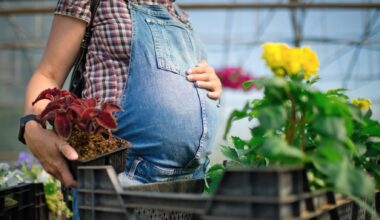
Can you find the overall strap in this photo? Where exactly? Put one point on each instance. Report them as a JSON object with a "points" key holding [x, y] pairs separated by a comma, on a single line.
{"points": [[88, 33], [77, 82]]}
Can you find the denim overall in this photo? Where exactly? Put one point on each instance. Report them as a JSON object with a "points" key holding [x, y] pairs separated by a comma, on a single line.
{"points": [[169, 121]]}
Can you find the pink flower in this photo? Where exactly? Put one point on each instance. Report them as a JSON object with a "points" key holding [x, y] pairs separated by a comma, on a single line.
{"points": [[233, 77]]}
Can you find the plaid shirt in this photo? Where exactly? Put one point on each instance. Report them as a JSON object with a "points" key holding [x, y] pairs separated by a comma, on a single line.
{"points": [[109, 51]]}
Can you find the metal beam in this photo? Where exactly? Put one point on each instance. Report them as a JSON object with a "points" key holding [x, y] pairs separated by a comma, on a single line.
{"points": [[289, 5], [216, 6]]}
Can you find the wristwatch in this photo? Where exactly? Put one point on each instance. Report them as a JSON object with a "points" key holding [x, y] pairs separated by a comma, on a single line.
{"points": [[23, 120]]}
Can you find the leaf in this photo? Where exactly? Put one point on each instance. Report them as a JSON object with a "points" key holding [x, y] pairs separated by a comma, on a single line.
{"points": [[110, 107], [247, 84], [313, 80], [331, 150], [256, 141], [333, 127], [229, 153], [276, 149], [272, 117], [89, 103], [235, 115], [373, 131], [338, 92], [53, 94], [238, 143], [346, 178], [62, 125], [214, 175], [270, 82], [351, 181], [361, 149], [105, 120]]}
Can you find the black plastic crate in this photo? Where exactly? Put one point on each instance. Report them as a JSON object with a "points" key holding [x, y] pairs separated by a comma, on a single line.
{"points": [[263, 193], [40, 206], [31, 203], [102, 197], [238, 197]]}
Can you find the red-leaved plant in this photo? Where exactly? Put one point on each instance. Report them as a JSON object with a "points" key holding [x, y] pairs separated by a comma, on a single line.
{"points": [[66, 112]]}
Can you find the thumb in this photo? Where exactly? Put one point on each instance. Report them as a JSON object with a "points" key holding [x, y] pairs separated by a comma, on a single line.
{"points": [[68, 151], [202, 63]]}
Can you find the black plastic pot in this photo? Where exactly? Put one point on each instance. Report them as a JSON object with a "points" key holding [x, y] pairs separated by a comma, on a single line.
{"points": [[114, 158]]}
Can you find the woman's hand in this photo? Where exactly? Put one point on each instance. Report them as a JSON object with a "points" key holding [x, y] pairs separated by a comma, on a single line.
{"points": [[50, 150], [205, 77]]}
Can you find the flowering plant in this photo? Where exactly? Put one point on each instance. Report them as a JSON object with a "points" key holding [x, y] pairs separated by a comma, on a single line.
{"points": [[233, 77], [28, 170], [334, 138]]}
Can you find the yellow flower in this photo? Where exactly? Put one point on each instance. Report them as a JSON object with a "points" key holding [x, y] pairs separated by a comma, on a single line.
{"points": [[274, 54], [284, 60], [310, 62], [293, 61], [363, 104]]}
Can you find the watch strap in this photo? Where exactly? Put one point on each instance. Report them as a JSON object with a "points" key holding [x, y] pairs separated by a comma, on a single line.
{"points": [[23, 120]]}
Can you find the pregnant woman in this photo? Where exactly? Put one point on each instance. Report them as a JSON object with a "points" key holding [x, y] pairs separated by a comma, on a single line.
{"points": [[145, 56]]}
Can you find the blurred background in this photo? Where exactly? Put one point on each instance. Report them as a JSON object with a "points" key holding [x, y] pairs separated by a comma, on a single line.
{"points": [[344, 33]]}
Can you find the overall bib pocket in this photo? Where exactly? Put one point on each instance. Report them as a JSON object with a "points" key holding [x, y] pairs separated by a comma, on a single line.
{"points": [[173, 45]]}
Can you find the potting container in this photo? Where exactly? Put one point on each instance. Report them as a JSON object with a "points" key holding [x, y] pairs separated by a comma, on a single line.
{"points": [[115, 158]]}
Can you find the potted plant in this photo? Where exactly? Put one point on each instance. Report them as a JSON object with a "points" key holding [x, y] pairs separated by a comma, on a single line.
{"points": [[333, 139], [86, 125]]}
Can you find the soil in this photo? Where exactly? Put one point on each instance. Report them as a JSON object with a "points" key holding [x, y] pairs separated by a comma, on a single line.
{"points": [[91, 145]]}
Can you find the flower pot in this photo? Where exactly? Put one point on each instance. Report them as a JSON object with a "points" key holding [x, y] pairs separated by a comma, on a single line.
{"points": [[114, 158]]}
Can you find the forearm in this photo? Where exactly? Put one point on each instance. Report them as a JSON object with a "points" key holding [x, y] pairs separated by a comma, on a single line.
{"points": [[36, 85]]}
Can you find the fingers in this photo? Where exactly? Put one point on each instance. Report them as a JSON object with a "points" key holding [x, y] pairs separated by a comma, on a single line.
{"points": [[214, 95], [202, 63], [60, 170], [205, 77], [51, 151], [67, 177], [199, 77], [67, 150], [200, 70]]}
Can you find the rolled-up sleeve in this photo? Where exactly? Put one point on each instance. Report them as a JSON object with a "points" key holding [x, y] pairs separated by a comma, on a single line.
{"points": [[74, 8]]}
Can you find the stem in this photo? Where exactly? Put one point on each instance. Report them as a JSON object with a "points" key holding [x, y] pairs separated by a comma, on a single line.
{"points": [[293, 120], [302, 123]]}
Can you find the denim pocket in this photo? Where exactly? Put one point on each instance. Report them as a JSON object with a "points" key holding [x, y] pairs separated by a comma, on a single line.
{"points": [[173, 45]]}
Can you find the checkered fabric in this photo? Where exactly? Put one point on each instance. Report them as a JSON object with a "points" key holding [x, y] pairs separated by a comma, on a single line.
{"points": [[109, 51]]}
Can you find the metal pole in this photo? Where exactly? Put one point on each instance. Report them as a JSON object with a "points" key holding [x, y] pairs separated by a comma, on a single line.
{"points": [[296, 25], [217, 6], [298, 5]]}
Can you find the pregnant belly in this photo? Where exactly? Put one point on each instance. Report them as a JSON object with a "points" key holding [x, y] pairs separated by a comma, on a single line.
{"points": [[162, 118]]}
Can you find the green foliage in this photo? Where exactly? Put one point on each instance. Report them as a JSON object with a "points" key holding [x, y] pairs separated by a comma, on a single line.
{"points": [[336, 142]]}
